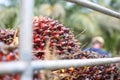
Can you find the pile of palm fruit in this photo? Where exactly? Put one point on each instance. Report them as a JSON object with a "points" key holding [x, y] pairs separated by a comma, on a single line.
{"points": [[63, 44]]}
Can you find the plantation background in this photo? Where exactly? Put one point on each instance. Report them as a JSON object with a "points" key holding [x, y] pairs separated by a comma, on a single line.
{"points": [[84, 23]]}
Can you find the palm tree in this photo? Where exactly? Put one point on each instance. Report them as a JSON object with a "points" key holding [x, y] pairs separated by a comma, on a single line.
{"points": [[9, 14], [8, 18]]}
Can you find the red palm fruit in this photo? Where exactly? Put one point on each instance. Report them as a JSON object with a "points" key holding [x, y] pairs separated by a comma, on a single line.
{"points": [[10, 57], [36, 40], [56, 36], [1, 54], [36, 24], [66, 30], [42, 25], [16, 77], [42, 44], [63, 43], [47, 32], [58, 51], [53, 44], [53, 33], [61, 32], [70, 36], [36, 36]]}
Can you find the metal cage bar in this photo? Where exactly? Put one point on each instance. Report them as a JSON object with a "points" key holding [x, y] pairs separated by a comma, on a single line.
{"points": [[25, 47], [12, 67], [58, 64], [96, 7], [54, 64]]}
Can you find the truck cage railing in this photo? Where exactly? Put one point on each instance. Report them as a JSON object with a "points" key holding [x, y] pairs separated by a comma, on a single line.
{"points": [[25, 65]]}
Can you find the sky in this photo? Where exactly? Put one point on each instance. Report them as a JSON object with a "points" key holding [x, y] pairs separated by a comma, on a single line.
{"points": [[5, 2], [2, 1]]}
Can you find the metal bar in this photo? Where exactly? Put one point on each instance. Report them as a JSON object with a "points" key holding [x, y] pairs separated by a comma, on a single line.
{"points": [[96, 7], [54, 64], [25, 35], [58, 64], [12, 67]]}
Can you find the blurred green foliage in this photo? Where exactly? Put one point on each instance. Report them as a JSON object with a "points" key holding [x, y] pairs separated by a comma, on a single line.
{"points": [[76, 17]]}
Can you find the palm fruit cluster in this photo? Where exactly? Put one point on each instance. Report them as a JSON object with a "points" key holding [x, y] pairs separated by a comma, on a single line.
{"points": [[62, 38], [102, 72], [6, 36], [8, 52], [67, 47]]}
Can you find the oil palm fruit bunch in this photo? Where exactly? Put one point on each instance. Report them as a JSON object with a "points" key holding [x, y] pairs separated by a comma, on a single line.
{"points": [[8, 52], [102, 72], [59, 36]]}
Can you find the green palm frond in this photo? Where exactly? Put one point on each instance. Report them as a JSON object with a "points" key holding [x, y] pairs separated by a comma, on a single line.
{"points": [[85, 21], [8, 17], [110, 23]]}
